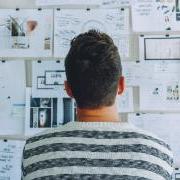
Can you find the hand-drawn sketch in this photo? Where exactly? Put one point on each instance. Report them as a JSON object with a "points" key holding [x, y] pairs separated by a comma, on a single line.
{"points": [[162, 96], [48, 79], [115, 3], [159, 47], [155, 15], [69, 23], [93, 24]]}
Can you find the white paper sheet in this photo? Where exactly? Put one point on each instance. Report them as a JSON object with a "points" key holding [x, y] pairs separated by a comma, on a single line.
{"points": [[167, 71], [68, 2], [48, 79], [10, 159], [159, 47], [153, 15], [159, 87], [158, 95], [123, 43], [70, 23], [176, 174], [55, 77], [46, 112], [142, 73], [115, 3], [132, 73], [26, 32], [165, 126], [125, 101], [12, 98], [138, 73]]}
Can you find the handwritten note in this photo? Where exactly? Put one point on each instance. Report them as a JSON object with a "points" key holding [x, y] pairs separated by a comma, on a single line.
{"points": [[70, 23], [153, 15], [115, 3], [10, 159], [68, 2]]}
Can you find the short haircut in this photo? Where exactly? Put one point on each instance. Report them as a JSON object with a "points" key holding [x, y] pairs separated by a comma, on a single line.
{"points": [[93, 69]]}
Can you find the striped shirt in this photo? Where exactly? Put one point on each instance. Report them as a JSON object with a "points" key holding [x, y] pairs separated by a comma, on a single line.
{"points": [[96, 151]]}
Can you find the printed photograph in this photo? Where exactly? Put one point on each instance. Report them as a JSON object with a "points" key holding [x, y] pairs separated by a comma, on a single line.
{"points": [[177, 6], [19, 31], [43, 113], [177, 10]]}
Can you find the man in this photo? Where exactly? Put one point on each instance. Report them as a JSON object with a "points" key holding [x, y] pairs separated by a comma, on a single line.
{"points": [[98, 146]]}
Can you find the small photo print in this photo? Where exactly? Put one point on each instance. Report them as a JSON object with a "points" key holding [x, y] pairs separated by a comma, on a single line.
{"points": [[21, 30], [44, 118], [47, 43], [43, 113], [177, 10], [45, 102], [177, 6], [13, 31]]}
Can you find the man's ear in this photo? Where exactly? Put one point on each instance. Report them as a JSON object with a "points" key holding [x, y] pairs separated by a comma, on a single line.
{"points": [[68, 89], [121, 85]]}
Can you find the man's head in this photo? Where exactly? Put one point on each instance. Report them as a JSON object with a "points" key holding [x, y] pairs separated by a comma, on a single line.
{"points": [[93, 70]]}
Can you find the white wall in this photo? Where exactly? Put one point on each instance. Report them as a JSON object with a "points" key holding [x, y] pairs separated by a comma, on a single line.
{"points": [[17, 4]]}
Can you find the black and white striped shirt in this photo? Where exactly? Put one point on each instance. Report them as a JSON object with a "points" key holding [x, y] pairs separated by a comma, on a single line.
{"points": [[96, 151]]}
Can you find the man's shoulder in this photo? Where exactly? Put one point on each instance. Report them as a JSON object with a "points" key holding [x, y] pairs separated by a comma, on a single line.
{"points": [[152, 139], [46, 134], [122, 132], [111, 142]]}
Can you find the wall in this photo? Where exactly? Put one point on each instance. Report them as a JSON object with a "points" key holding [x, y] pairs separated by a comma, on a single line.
{"points": [[17, 4], [31, 4], [133, 48]]}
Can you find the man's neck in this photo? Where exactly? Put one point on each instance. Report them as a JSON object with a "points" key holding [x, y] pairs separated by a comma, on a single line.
{"points": [[104, 114]]}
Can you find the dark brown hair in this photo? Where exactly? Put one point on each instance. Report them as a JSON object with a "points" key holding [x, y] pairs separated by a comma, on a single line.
{"points": [[93, 68]]}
